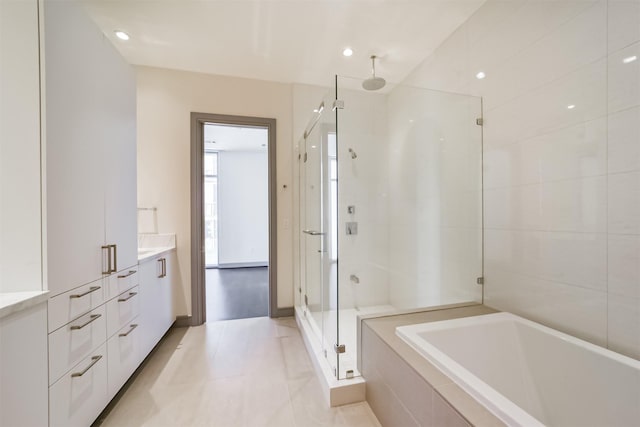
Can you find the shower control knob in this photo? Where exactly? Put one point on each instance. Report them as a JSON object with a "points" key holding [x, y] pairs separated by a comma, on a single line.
{"points": [[352, 228]]}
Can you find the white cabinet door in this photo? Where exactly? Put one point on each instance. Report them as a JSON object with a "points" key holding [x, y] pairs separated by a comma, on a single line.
{"points": [[156, 299], [23, 371], [149, 305], [77, 398], [91, 150], [166, 316], [123, 351], [118, 97], [20, 221], [75, 163]]}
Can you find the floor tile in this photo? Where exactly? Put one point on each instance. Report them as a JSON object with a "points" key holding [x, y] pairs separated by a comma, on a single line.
{"points": [[232, 373]]}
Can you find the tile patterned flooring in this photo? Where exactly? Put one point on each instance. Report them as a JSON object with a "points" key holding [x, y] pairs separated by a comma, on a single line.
{"points": [[245, 373]]}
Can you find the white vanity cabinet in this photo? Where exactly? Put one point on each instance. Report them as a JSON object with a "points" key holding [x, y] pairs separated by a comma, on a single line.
{"points": [[93, 352], [20, 203], [91, 151], [156, 298], [23, 368], [23, 307], [92, 272]]}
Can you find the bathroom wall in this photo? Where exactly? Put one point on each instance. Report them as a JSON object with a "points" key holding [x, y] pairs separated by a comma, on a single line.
{"points": [[166, 99], [561, 158]]}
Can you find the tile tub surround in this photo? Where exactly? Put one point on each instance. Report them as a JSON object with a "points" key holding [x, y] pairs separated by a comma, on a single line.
{"points": [[244, 373], [403, 388], [561, 185]]}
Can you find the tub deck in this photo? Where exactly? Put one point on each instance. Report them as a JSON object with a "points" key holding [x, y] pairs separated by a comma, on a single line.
{"points": [[403, 388]]}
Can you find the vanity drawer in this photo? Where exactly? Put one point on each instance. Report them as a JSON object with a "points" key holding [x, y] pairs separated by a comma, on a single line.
{"points": [[122, 281], [122, 309], [80, 395], [75, 341], [123, 350], [65, 307]]}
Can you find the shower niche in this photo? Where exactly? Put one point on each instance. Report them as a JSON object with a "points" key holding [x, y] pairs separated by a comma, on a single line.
{"points": [[388, 215]]}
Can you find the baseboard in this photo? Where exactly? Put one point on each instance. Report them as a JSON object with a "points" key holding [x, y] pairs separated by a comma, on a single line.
{"points": [[182, 322], [282, 312], [243, 264]]}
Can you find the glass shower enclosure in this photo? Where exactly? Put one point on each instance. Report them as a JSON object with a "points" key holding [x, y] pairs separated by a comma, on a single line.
{"points": [[318, 243], [389, 209]]}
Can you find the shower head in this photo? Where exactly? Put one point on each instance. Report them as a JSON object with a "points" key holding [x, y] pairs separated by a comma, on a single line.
{"points": [[373, 83], [353, 153]]}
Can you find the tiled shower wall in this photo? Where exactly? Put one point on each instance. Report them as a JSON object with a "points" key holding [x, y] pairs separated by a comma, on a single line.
{"points": [[363, 184], [435, 202], [561, 158]]}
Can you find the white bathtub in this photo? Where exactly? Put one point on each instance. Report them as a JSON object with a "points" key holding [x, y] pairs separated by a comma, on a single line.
{"points": [[530, 375]]}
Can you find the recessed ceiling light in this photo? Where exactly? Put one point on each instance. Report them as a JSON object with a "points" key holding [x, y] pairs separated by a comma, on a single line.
{"points": [[629, 59], [347, 51], [481, 75], [122, 35], [571, 107]]}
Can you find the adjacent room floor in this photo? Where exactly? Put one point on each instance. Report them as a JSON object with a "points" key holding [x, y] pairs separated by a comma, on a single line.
{"points": [[246, 373], [237, 293]]}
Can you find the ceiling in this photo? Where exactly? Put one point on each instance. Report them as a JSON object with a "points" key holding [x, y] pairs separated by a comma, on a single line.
{"points": [[218, 137], [291, 41]]}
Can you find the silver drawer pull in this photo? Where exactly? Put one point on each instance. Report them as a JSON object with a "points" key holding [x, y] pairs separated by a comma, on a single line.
{"points": [[124, 334], [127, 275], [108, 270], [91, 319], [131, 295], [94, 360], [91, 289]]}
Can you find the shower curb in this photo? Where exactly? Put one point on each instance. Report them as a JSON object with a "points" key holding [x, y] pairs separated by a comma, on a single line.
{"points": [[336, 392]]}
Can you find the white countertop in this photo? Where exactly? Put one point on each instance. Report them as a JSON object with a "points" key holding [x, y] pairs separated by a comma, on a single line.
{"points": [[151, 245], [13, 302], [147, 253]]}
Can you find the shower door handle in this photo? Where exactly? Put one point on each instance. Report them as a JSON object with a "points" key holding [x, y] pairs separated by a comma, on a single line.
{"points": [[313, 233]]}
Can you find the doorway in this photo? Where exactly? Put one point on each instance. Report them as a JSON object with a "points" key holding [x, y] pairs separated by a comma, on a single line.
{"points": [[233, 217]]}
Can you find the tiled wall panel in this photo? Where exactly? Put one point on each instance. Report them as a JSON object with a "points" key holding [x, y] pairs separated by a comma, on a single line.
{"points": [[561, 158]]}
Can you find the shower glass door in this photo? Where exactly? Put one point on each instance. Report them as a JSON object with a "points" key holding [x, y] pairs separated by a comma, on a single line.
{"points": [[319, 287]]}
